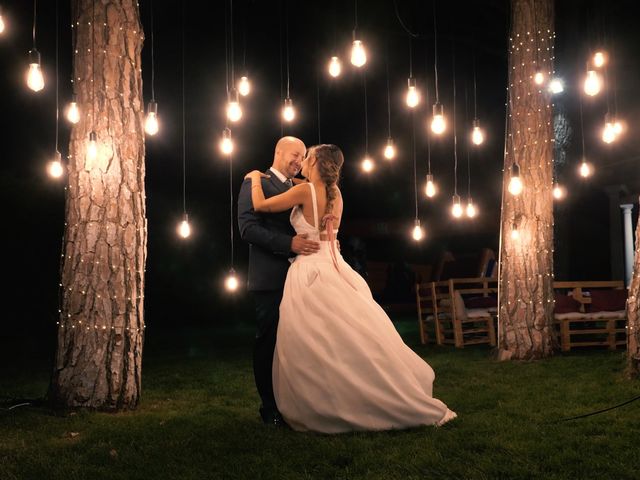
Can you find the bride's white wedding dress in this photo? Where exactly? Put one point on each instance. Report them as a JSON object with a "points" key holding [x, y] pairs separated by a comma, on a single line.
{"points": [[339, 363]]}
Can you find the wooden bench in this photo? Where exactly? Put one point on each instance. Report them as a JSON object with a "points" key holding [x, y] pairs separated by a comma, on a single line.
{"points": [[585, 327], [442, 311]]}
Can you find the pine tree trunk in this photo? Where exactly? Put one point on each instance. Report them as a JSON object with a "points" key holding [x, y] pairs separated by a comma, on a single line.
{"points": [[633, 315], [101, 328], [526, 264]]}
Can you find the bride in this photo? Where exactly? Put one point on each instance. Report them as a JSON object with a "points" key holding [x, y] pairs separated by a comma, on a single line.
{"points": [[339, 364]]}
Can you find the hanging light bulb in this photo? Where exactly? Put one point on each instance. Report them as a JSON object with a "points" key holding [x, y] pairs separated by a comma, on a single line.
{"points": [[1, 22], [413, 95], [73, 112], [538, 76], [367, 164], [92, 146], [389, 150], [592, 83], [184, 229], [472, 211], [515, 184], [54, 167], [418, 232], [477, 137], [35, 79], [430, 189], [244, 86], [226, 143], [288, 112], [438, 124], [358, 53], [515, 234], [335, 67], [599, 59], [556, 86], [231, 283], [608, 132], [234, 111], [456, 207], [585, 169], [559, 192], [151, 122]]}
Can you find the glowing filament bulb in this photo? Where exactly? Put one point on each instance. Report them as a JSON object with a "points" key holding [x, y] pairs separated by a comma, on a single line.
{"points": [[367, 165], [472, 211], [335, 67], [151, 122], [35, 79], [184, 229], [244, 87], [1, 23], [413, 95], [226, 143], [389, 150], [585, 169], [430, 189], [515, 234], [477, 137], [73, 112], [515, 184], [288, 112], [608, 133], [538, 77], [599, 59], [234, 111], [456, 207], [418, 232], [556, 86], [438, 124], [358, 54], [559, 191], [231, 282], [92, 146], [592, 83], [55, 168]]}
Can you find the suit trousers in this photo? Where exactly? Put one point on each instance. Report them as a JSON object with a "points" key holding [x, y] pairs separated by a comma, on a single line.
{"points": [[267, 304]]}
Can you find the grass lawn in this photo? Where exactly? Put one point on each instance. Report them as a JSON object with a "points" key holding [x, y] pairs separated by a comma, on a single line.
{"points": [[198, 420]]}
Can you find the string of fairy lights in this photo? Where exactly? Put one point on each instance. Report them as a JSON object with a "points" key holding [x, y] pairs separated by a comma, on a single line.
{"points": [[597, 79]]}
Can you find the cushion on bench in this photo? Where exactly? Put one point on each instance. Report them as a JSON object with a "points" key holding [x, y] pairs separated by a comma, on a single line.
{"points": [[566, 304], [608, 300]]}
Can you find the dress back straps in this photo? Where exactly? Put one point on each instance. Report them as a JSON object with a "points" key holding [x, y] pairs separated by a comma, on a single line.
{"points": [[314, 201]]}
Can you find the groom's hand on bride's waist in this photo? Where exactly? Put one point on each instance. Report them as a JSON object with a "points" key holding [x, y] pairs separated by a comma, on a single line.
{"points": [[301, 246]]}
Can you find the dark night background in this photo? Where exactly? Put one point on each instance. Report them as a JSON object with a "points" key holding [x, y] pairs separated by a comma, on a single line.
{"points": [[184, 278]]}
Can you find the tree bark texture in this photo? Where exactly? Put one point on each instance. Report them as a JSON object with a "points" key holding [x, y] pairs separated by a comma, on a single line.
{"points": [[101, 328], [526, 264], [633, 315]]}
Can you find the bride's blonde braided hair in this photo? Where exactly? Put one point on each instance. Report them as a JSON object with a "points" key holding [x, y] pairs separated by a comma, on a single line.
{"points": [[330, 160]]}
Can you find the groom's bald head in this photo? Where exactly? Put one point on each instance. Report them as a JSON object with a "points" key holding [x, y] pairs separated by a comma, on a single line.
{"points": [[288, 156]]}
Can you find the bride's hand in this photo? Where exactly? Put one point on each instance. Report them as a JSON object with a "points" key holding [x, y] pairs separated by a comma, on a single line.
{"points": [[256, 173]]}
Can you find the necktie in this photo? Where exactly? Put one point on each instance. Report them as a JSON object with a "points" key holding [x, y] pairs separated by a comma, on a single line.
{"points": [[288, 182]]}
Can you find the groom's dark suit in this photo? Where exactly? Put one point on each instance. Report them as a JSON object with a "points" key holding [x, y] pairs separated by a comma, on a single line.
{"points": [[269, 236]]}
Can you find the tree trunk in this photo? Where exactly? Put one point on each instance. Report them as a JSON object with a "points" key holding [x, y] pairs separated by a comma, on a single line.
{"points": [[526, 264], [633, 315], [101, 328]]}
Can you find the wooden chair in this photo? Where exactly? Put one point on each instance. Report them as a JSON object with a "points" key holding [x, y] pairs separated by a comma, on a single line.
{"points": [[441, 309], [427, 306]]}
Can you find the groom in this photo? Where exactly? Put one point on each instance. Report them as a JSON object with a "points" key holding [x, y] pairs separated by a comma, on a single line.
{"points": [[272, 240]]}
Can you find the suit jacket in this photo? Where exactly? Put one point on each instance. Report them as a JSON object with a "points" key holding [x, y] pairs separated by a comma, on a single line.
{"points": [[269, 236]]}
